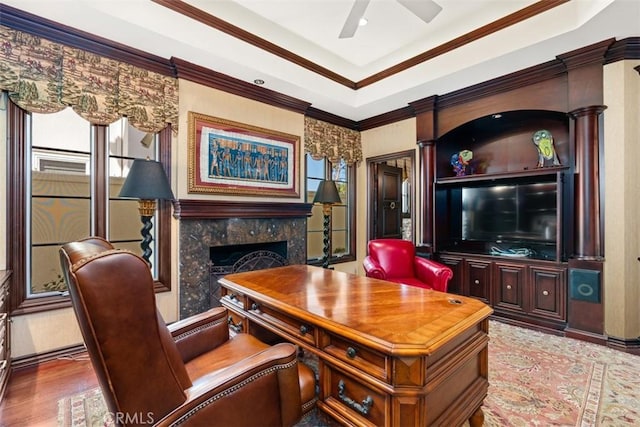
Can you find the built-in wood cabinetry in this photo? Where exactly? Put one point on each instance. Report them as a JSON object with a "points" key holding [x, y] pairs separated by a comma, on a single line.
{"points": [[521, 291], [527, 274], [5, 337], [502, 225]]}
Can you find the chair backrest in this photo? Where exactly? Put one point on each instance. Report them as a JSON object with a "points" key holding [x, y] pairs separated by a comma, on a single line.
{"points": [[395, 256], [131, 349]]}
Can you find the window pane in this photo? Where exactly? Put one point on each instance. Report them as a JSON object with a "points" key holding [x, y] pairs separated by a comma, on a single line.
{"points": [[127, 141], [48, 276], [318, 170], [60, 192], [314, 244], [339, 243], [339, 171]]}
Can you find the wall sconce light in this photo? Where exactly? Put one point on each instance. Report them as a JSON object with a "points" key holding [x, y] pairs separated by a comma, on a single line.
{"points": [[327, 195], [146, 182]]}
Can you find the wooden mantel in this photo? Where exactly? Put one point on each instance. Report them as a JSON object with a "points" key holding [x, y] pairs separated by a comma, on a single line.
{"points": [[222, 209]]}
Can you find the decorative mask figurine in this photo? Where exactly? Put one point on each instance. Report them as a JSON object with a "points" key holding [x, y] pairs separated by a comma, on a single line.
{"points": [[546, 152], [460, 161]]}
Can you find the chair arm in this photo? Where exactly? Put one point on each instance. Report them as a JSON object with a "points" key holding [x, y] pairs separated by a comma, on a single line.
{"points": [[229, 396], [435, 274], [373, 269], [200, 333]]}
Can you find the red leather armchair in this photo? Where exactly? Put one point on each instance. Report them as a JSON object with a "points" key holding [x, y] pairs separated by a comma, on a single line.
{"points": [[190, 372], [395, 260]]}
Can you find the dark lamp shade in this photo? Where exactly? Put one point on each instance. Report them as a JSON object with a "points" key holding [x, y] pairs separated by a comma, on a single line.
{"points": [[327, 193], [146, 181]]}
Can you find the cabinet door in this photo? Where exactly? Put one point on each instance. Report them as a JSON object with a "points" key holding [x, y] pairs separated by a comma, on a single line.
{"points": [[455, 264], [548, 290], [509, 287], [478, 283]]}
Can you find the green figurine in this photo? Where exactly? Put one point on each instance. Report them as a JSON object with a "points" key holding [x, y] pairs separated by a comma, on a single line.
{"points": [[543, 141]]}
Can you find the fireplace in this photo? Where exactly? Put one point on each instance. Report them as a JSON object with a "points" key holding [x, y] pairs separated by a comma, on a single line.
{"points": [[207, 227], [245, 257]]}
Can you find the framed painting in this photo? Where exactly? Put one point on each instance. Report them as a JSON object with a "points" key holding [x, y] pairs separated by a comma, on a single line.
{"points": [[239, 159]]}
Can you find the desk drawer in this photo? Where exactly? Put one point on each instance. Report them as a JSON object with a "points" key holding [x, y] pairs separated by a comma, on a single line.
{"points": [[366, 360], [289, 324], [237, 322], [359, 402], [233, 299]]}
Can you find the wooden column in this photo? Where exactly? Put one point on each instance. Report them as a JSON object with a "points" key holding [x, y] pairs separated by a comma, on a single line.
{"points": [[427, 172], [425, 111], [587, 225]]}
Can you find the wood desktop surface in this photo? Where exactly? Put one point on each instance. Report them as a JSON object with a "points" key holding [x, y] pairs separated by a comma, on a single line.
{"points": [[393, 318]]}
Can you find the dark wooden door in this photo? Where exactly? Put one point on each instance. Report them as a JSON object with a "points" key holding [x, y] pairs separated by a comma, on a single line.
{"points": [[388, 202]]}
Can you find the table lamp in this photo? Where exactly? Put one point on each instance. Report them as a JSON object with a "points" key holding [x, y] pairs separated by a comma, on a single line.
{"points": [[327, 195], [146, 182]]}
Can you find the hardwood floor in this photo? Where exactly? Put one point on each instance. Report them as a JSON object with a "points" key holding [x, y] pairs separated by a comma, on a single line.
{"points": [[31, 398]]}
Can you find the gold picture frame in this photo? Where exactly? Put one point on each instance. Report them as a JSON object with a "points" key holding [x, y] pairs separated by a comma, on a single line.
{"points": [[234, 158]]}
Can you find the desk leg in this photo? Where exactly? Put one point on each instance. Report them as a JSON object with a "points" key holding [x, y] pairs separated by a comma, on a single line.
{"points": [[477, 419]]}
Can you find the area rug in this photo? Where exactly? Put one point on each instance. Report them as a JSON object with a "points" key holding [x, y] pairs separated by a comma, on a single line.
{"points": [[535, 379]]}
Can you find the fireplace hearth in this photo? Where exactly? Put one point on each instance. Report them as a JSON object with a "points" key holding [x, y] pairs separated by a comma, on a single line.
{"points": [[271, 233]]}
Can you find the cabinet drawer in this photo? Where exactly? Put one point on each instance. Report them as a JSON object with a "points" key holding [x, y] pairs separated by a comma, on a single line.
{"points": [[366, 360], [510, 282], [355, 399], [548, 292], [289, 324], [479, 280]]}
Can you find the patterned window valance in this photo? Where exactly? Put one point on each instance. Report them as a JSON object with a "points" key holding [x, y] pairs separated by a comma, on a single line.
{"points": [[45, 77], [322, 139]]}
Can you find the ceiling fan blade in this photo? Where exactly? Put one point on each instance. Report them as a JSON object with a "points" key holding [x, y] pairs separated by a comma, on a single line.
{"points": [[423, 9], [351, 24]]}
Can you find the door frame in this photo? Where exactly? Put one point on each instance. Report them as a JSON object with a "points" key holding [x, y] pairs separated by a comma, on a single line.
{"points": [[372, 188]]}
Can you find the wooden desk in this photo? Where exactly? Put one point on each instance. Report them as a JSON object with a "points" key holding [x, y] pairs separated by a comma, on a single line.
{"points": [[388, 354]]}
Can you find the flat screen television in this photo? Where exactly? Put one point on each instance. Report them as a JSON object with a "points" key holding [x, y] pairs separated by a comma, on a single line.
{"points": [[515, 219], [518, 212]]}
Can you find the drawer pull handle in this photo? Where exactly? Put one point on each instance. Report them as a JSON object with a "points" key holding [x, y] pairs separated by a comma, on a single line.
{"points": [[509, 287], [477, 282], [304, 330], [351, 352], [255, 306], [234, 297], [236, 327], [363, 407], [545, 293]]}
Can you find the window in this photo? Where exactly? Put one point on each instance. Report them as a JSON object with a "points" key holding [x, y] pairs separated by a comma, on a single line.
{"points": [[342, 242], [63, 181]]}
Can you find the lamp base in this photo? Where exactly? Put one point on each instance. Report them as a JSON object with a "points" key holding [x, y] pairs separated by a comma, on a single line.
{"points": [[325, 240], [145, 232]]}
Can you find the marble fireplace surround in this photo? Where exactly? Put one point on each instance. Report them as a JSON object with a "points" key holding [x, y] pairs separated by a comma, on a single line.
{"points": [[210, 223]]}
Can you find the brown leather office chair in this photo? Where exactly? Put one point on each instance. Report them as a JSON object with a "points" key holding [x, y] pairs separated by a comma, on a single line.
{"points": [[190, 372]]}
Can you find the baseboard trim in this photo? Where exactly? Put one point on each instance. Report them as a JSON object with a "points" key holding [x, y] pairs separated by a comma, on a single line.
{"points": [[631, 346], [36, 359], [585, 336]]}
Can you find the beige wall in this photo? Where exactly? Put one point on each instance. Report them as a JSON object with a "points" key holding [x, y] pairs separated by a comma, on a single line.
{"points": [[621, 201], [42, 332], [212, 102], [391, 138]]}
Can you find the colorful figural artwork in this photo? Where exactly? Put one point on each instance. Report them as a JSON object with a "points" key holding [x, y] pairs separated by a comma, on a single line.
{"points": [[543, 141], [460, 162]]}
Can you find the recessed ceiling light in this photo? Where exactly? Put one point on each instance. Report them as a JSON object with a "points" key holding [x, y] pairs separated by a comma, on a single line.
{"points": [[496, 116], [259, 81], [362, 22]]}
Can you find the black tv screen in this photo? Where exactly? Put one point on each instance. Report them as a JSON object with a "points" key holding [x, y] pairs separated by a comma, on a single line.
{"points": [[510, 213]]}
